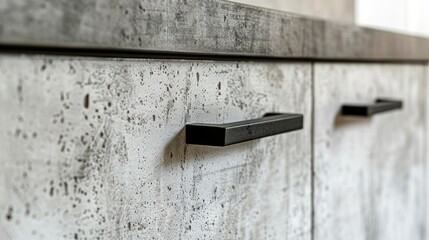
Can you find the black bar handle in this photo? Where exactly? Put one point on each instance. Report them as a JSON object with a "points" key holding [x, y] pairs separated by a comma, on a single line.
{"points": [[381, 105], [231, 133]]}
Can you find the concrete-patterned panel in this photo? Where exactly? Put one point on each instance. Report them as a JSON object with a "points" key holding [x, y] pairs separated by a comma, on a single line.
{"points": [[94, 148], [370, 173]]}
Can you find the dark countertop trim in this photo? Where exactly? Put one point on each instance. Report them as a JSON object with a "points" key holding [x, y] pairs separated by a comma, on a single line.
{"points": [[196, 27]]}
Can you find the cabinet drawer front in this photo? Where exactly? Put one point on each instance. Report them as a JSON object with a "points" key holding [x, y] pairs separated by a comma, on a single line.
{"points": [[96, 148], [370, 172]]}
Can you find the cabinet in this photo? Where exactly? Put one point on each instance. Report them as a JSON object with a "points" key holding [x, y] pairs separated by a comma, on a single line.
{"points": [[96, 98], [370, 174], [94, 147]]}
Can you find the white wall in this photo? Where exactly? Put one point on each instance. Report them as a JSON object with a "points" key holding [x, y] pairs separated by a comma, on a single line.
{"points": [[408, 16], [336, 10]]}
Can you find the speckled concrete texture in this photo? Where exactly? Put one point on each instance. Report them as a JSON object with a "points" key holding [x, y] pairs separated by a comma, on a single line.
{"points": [[196, 27], [370, 173], [94, 149]]}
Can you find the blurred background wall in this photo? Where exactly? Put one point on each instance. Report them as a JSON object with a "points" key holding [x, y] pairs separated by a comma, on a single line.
{"points": [[338, 10], [407, 16]]}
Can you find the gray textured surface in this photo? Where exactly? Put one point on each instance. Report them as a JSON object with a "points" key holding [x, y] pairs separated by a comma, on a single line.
{"points": [[334, 10], [95, 148], [370, 173], [196, 26]]}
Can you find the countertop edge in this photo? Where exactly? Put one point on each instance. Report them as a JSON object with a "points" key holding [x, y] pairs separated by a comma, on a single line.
{"points": [[204, 27]]}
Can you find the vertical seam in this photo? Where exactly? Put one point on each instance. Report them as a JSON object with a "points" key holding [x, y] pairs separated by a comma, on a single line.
{"points": [[312, 174]]}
